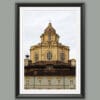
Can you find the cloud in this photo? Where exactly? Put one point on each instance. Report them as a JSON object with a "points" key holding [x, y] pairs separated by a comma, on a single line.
{"points": [[66, 21]]}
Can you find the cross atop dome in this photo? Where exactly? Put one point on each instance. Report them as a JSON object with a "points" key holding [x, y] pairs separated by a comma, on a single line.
{"points": [[49, 34], [50, 24], [49, 28]]}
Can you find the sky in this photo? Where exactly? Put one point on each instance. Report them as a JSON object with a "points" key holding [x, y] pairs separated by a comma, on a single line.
{"points": [[65, 20]]}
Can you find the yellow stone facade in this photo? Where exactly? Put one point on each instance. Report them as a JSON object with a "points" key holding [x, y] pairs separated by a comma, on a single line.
{"points": [[39, 75], [49, 49]]}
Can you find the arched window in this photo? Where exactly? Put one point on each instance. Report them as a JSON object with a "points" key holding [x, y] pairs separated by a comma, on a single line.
{"points": [[62, 56], [36, 57], [49, 55]]}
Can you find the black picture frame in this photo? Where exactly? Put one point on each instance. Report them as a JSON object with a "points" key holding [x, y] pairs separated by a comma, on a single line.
{"points": [[17, 50]]}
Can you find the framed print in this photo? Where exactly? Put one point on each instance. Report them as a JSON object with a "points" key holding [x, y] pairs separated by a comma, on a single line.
{"points": [[50, 50]]}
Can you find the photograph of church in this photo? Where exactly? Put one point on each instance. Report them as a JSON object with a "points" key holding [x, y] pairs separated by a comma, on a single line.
{"points": [[50, 50], [48, 66]]}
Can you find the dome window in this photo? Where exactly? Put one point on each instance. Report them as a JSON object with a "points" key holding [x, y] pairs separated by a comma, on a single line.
{"points": [[49, 55]]}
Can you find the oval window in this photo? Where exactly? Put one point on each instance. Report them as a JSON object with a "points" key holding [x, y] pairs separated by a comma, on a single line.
{"points": [[49, 55]]}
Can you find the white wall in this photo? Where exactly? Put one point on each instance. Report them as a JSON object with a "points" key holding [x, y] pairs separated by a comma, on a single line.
{"points": [[50, 82]]}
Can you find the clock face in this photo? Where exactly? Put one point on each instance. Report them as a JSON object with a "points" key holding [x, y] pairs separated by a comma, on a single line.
{"points": [[49, 67]]}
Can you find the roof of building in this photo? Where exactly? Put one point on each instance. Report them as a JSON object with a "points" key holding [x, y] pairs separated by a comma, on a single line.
{"points": [[49, 69], [49, 29]]}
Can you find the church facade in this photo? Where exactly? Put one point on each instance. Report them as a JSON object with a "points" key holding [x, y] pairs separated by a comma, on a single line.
{"points": [[49, 66]]}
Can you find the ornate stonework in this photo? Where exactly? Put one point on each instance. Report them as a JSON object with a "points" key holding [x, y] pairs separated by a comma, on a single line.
{"points": [[49, 46], [49, 65]]}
